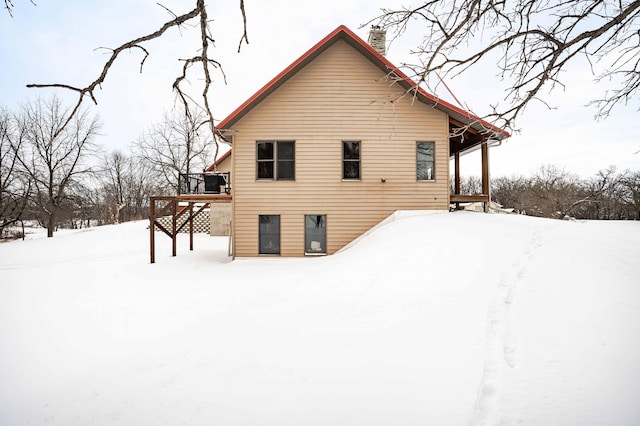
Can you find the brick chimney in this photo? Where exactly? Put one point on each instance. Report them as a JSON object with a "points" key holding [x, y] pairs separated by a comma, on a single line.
{"points": [[378, 39]]}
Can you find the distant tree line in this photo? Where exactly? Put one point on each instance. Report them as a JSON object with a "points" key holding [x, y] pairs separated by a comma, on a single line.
{"points": [[53, 171], [59, 176], [555, 193]]}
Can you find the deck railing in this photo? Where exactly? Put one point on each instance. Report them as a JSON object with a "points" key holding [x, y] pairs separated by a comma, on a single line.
{"points": [[204, 183]]}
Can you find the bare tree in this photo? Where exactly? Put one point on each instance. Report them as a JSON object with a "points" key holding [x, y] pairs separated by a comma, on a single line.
{"points": [[174, 145], [202, 58], [511, 192], [126, 185], [631, 183], [555, 192], [602, 198], [552, 192], [53, 153], [115, 167], [470, 185], [141, 185], [14, 189], [532, 42]]}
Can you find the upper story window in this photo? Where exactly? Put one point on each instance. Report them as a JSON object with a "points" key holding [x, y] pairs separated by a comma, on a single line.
{"points": [[425, 161], [276, 160], [351, 160]]}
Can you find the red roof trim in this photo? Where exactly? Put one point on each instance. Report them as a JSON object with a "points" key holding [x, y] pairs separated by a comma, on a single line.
{"points": [[373, 55]]}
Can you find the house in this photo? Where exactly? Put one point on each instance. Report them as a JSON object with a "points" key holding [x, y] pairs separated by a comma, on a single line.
{"points": [[334, 144], [220, 215]]}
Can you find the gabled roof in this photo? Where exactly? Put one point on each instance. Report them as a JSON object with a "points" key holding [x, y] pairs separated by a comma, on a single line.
{"points": [[344, 33]]}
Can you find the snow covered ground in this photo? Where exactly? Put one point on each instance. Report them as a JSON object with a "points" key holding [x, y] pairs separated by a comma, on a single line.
{"points": [[447, 319]]}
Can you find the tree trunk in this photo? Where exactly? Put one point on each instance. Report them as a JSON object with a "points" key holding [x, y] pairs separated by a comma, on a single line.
{"points": [[51, 225]]}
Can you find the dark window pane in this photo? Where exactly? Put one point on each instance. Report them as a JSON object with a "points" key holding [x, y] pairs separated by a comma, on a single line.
{"points": [[351, 160], [315, 233], [265, 170], [265, 150], [351, 150], [351, 170], [286, 170], [269, 230], [286, 151]]}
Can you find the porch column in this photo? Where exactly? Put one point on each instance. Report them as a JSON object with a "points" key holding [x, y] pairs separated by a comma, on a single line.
{"points": [[456, 162], [485, 174]]}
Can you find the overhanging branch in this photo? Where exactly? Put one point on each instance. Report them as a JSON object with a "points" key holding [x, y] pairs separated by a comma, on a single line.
{"points": [[534, 42], [203, 58]]}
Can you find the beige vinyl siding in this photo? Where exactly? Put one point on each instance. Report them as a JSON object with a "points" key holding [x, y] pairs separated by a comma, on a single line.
{"points": [[338, 96], [225, 165]]}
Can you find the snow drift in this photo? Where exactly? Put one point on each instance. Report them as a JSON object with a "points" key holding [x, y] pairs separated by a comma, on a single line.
{"points": [[447, 319]]}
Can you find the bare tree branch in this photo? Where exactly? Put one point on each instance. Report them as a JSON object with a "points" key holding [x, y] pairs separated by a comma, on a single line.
{"points": [[89, 90], [244, 37], [532, 41], [200, 11], [8, 5]]}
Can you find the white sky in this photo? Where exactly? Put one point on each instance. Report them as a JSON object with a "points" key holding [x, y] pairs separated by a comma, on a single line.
{"points": [[56, 42]]}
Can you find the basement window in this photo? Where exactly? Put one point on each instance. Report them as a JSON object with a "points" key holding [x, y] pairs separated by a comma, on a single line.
{"points": [[269, 234], [315, 234]]}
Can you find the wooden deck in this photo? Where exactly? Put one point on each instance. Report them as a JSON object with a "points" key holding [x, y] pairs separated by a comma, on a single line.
{"points": [[459, 198], [182, 209], [200, 198]]}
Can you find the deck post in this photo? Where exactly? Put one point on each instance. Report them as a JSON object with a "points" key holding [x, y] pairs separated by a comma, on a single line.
{"points": [[152, 229], [174, 233], [191, 226], [485, 174]]}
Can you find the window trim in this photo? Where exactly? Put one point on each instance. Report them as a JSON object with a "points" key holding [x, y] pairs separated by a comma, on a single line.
{"points": [[359, 161], [315, 253], [275, 161], [432, 162]]}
